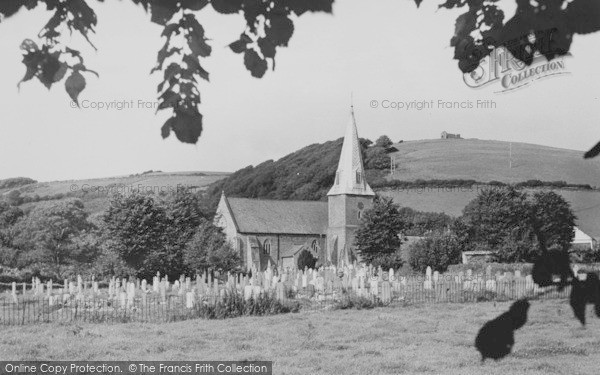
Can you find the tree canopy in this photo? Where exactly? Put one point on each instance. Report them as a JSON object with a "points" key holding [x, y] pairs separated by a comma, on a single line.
{"points": [[515, 225], [377, 239]]}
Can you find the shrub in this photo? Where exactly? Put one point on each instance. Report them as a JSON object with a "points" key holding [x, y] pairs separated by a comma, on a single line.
{"points": [[234, 305], [352, 301], [584, 254], [306, 260], [525, 268], [437, 251], [387, 261]]}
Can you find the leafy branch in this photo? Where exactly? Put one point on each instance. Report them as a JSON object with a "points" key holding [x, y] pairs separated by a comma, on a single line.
{"points": [[545, 27]]}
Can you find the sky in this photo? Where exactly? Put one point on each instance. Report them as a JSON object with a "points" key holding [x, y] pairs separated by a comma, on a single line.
{"points": [[383, 54]]}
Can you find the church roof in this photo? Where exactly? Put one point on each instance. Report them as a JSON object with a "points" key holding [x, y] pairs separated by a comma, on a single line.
{"points": [[350, 175], [278, 216]]}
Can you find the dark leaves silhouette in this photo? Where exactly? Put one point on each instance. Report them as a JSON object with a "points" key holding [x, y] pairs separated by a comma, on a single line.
{"points": [[593, 152], [551, 264], [496, 338], [583, 293]]}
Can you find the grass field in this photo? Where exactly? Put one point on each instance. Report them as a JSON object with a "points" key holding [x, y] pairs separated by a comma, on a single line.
{"points": [[96, 193], [428, 339], [485, 160]]}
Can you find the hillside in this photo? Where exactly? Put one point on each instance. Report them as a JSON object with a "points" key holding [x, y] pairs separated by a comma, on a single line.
{"points": [[307, 174], [95, 193], [487, 161]]}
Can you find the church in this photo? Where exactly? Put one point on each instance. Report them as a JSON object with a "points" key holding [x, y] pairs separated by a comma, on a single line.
{"points": [[278, 231]]}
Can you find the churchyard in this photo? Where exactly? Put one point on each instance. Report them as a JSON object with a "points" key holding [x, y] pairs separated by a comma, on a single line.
{"points": [[163, 300], [413, 339]]}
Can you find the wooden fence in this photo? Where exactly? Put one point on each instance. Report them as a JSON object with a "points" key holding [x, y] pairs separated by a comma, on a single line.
{"points": [[121, 300]]}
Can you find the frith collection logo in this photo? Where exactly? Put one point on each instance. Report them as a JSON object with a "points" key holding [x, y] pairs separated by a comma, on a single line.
{"points": [[511, 73]]}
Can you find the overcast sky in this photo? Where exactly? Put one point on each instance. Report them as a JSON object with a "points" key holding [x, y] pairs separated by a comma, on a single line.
{"points": [[392, 51]]}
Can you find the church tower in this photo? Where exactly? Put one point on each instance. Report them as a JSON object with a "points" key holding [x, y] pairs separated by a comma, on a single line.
{"points": [[349, 197]]}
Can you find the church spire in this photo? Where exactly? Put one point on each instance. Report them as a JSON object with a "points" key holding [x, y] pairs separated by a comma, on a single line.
{"points": [[350, 175]]}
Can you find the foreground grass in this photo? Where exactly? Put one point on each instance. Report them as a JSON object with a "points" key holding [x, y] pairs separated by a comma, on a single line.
{"points": [[428, 339]]}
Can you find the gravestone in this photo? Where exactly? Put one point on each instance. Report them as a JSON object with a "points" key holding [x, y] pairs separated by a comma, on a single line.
{"points": [[189, 300], [488, 271], [14, 292], [280, 291], [374, 285], [386, 292], [248, 292], [529, 284]]}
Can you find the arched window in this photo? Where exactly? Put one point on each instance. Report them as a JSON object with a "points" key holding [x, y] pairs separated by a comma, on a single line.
{"points": [[337, 178], [267, 247], [359, 215], [358, 177], [315, 246]]}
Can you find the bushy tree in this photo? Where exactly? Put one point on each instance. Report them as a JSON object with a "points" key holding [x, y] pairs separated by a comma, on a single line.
{"points": [[437, 251], [376, 158], [208, 248], [418, 223], [306, 260], [495, 214], [552, 220], [150, 233], [56, 235], [379, 230], [138, 227], [515, 225], [384, 141]]}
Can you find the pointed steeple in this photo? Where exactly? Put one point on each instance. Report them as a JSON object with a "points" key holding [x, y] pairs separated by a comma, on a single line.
{"points": [[350, 175]]}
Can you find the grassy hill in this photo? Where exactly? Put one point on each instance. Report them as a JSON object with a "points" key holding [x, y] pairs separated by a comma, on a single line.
{"points": [[486, 161], [96, 193], [308, 174]]}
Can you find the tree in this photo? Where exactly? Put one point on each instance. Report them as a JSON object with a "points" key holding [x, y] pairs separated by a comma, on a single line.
{"points": [[138, 227], [437, 251], [419, 223], [377, 237], [53, 235], [376, 158], [306, 260], [517, 227], [496, 214], [208, 248], [545, 26], [552, 220], [383, 141]]}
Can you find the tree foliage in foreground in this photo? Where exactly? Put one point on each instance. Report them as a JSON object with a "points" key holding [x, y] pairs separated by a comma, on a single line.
{"points": [[545, 26]]}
